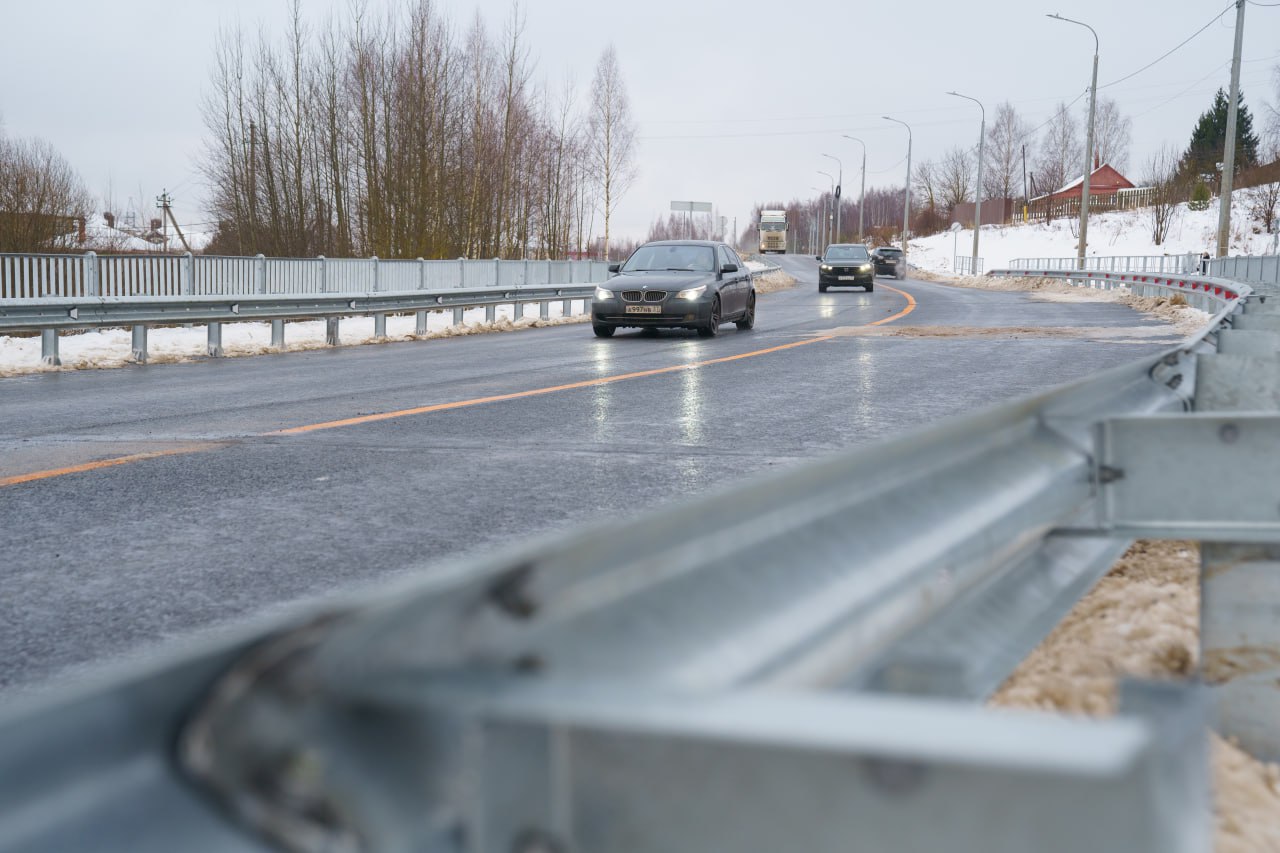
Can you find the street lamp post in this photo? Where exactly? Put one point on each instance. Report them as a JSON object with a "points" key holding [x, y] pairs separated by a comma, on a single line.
{"points": [[831, 210], [839, 192], [977, 193], [1088, 151], [906, 207], [816, 228], [862, 193]]}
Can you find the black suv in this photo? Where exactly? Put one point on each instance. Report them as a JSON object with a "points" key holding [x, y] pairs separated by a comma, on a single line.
{"points": [[888, 261], [846, 264]]}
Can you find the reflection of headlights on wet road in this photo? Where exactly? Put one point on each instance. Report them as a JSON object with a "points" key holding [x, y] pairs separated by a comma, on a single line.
{"points": [[692, 292]]}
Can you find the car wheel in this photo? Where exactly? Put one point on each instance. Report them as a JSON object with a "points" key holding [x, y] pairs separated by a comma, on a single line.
{"points": [[870, 286], [748, 320], [822, 288], [602, 331], [712, 327]]}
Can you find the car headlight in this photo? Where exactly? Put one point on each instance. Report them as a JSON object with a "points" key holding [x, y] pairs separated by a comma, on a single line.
{"points": [[692, 292], [602, 293], [864, 268], [826, 268]]}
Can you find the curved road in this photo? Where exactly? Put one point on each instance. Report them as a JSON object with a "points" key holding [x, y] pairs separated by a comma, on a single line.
{"points": [[149, 502]]}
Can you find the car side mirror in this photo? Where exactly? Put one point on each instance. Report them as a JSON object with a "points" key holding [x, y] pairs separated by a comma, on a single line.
{"points": [[817, 257], [727, 268], [614, 267]]}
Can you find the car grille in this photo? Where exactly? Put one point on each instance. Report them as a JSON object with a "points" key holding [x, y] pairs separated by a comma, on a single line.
{"points": [[643, 295]]}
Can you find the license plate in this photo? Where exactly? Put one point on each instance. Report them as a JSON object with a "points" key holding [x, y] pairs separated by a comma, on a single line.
{"points": [[848, 278], [644, 309]]}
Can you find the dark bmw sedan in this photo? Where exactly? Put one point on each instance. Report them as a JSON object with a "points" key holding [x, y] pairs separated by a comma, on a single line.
{"points": [[690, 284], [846, 264]]}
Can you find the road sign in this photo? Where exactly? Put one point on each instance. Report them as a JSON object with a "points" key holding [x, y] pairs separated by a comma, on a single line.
{"points": [[691, 206]]}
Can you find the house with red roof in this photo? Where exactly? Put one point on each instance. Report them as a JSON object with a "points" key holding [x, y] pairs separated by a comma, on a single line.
{"points": [[1108, 190]]}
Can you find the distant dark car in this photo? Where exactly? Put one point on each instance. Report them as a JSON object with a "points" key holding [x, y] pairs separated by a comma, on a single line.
{"points": [[888, 260], [846, 265], [691, 284]]}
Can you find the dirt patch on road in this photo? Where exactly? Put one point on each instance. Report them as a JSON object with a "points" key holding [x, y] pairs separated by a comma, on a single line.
{"points": [[1171, 309], [1110, 334], [1142, 620]]}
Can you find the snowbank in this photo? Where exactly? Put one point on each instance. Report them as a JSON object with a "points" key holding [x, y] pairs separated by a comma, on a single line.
{"points": [[1124, 232]]}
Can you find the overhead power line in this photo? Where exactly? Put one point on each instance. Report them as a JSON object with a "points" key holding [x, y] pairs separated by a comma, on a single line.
{"points": [[1181, 45]]}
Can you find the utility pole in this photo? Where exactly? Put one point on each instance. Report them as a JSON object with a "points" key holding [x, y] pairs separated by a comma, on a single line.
{"points": [[1229, 156], [164, 201], [1088, 151], [1024, 184]]}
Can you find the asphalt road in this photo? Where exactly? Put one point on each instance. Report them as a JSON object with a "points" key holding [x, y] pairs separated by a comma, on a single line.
{"points": [[150, 502]]}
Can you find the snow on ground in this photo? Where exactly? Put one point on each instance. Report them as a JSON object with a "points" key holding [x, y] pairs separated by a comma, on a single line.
{"points": [[113, 347], [1126, 232]]}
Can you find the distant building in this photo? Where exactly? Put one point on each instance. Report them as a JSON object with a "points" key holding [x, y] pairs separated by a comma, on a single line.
{"points": [[1108, 190]]}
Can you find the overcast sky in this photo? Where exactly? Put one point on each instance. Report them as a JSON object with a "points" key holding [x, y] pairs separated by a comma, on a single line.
{"points": [[735, 102]]}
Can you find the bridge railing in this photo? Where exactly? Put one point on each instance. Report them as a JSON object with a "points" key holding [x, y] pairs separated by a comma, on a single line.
{"points": [[91, 274]]}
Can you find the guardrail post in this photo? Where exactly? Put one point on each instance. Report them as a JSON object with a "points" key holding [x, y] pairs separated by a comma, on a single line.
{"points": [[140, 344], [544, 310], [1240, 583], [260, 273], [331, 331], [458, 316], [215, 340], [187, 273], [49, 347], [420, 323], [277, 334], [379, 325], [91, 273], [376, 266], [422, 274], [566, 308], [324, 274], [490, 313]]}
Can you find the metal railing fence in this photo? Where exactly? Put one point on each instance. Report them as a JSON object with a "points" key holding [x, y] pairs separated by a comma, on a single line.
{"points": [[964, 265], [1184, 263], [34, 276]]}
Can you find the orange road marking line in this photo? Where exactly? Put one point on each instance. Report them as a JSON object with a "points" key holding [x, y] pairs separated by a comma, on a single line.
{"points": [[101, 463], [443, 407]]}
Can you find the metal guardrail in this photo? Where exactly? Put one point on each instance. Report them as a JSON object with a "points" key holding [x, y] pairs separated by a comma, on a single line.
{"points": [[1261, 271], [791, 664], [964, 265], [91, 275], [49, 315], [1200, 291]]}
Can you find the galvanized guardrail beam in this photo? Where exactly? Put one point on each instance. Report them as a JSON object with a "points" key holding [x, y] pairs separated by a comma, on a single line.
{"points": [[697, 678]]}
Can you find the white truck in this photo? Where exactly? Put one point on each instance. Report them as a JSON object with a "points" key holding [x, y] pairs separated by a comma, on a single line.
{"points": [[773, 231]]}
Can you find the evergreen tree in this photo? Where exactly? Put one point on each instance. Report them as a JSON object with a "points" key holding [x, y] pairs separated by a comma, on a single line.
{"points": [[1208, 140]]}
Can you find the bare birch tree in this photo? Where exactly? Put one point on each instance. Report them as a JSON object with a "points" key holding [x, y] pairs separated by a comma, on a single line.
{"points": [[1112, 134], [1060, 151], [612, 137], [1168, 191], [41, 197], [1002, 175]]}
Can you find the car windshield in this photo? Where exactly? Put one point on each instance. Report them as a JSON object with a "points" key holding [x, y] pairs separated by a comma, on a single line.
{"points": [[674, 257], [890, 253], [773, 226], [847, 253]]}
